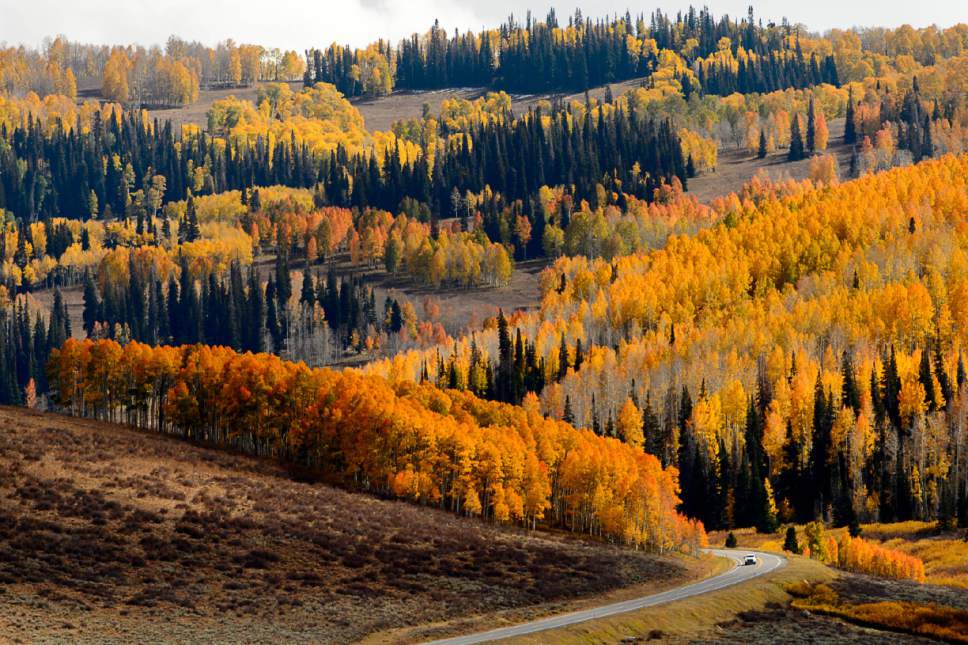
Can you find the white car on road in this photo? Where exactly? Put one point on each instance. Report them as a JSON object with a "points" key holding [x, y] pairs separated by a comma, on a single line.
{"points": [[749, 558]]}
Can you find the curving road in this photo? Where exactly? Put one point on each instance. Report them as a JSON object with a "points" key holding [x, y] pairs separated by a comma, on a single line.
{"points": [[767, 562]]}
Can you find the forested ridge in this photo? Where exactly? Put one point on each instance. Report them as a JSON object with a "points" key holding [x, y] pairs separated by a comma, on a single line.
{"points": [[541, 56], [93, 170], [802, 358], [789, 352]]}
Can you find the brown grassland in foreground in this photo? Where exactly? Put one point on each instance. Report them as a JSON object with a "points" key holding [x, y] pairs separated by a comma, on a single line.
{"points": [[110, 535]]}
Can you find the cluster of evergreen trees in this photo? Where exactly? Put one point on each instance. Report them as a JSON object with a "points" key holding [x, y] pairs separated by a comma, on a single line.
{"points": [[515, 159], [464, 60], [913, 121], [236, 311], [535, 57], [340, 67], [25, 344], [769, 73], [85, 173], [97, 172], [517, 370]]}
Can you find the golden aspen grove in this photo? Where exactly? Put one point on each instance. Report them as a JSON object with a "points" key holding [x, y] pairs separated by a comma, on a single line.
{"points": [[413, 335]]}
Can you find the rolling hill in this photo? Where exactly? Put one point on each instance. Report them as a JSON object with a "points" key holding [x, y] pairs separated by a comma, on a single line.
{"points": [[106, 532]]}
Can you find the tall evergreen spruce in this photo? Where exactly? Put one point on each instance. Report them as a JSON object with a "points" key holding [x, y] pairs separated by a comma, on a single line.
{"points": [[796, 140], [850, 120]]}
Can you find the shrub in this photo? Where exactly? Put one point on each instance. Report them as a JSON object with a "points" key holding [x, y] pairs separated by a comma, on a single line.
{"points": [[816, 541], [790, 543], [730, 541], [856, 554]]}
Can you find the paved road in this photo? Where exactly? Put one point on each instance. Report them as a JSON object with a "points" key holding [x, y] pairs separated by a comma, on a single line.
{"points": [[766, 562]]}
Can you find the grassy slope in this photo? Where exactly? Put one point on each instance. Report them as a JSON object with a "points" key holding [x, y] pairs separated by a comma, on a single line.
{"points": [[758, 611], [696, 617], [379, 113], [107, 534], [736, 167], [945, 555]]}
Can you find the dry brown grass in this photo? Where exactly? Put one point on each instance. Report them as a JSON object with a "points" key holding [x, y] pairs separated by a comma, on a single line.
{"points": [[867, 603], [379, 113], [735, 167], [111, 534], [197, 112]]}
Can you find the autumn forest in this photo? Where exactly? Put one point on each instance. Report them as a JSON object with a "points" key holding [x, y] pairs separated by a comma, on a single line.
{"points": [[656, 279]]}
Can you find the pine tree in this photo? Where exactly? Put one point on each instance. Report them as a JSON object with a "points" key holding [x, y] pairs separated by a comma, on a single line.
{"points": [[92, 305], [761, 151], [890, 388], [927, 381], [255, 329], [307, 296], [568, 416], [652, 429], [272, 318], [767, 516], [962, 376], [505, 367], [796, 140], [820, 448], [562, 359], [59, 329], [849, 394], [944, 382], [850, 123], [579, 355], [190, 223], [790, 544]]}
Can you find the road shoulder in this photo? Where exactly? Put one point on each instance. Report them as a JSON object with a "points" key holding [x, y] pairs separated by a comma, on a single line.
{"points": [[693, 617]]}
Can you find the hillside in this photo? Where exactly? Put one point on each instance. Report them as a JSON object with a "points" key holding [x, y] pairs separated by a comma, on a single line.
{"points": [[734, 169], [737, 167], [379, 113], [106, 532]]}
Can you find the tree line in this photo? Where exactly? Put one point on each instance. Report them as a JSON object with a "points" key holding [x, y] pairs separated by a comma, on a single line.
{"points": [[434, 447], [548, 56], [238, 310]]}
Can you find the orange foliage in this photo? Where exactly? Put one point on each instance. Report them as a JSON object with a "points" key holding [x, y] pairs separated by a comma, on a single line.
{"points": [[444, 448], [856, 554]]}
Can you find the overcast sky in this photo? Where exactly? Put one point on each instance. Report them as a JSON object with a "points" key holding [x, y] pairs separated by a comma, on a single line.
{"points": [[298, 24]]}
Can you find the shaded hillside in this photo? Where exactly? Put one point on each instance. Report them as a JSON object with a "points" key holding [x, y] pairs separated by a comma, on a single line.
{"points": [[106, 533]]}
